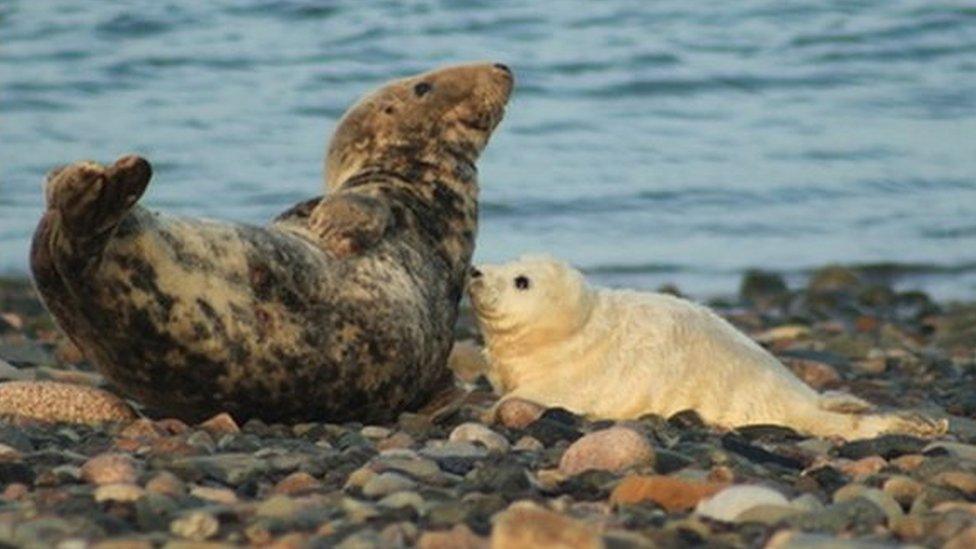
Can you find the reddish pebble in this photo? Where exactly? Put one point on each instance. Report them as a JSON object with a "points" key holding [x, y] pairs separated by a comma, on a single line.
{"points": [[525, 524], [217, 495], [816, 374], [173, 426], [613, 449], [297, 483], [518, 413], [672, 493], [864, 467], [144, 429], [52, 401], [396, 440], [908, 462], [14, 491], [220, 424], [109, 469], [166, 483], [459, 537]]}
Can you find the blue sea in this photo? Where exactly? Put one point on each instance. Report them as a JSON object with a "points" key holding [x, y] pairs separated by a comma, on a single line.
{"points": [[647, 142]]}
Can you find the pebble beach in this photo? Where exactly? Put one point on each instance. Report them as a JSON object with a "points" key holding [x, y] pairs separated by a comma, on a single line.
{"points": [[80, 466]]}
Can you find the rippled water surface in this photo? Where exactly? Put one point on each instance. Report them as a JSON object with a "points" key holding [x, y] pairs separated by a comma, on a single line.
{"points": [[646, 141]]}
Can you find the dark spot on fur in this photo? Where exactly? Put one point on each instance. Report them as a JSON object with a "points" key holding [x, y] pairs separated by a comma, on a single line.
{"points": [[422, 88], [301, 210]]}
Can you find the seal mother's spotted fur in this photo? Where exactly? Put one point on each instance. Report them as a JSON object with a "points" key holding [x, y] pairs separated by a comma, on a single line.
{"points": [[620, 354], [342, 308]]}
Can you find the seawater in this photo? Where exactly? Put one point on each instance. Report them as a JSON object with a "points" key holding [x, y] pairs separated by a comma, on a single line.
{"points": [[646, 141]]}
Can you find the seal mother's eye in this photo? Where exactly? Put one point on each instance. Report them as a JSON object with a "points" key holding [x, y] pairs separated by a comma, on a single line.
{"points": [[422, 88], [522, 282]]}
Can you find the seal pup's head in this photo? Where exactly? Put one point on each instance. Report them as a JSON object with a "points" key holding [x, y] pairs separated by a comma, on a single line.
{"points": [[529, 303], [445, 113]]}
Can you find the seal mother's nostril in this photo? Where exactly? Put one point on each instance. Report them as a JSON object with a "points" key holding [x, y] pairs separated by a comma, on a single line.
{"points": [[503, 67]]}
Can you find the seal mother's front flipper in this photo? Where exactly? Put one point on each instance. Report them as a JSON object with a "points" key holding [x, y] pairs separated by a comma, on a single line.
{"points": [[86, 201], [348, 224]]}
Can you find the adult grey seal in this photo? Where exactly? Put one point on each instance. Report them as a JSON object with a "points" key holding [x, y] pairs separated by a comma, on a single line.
{"points": [[342, 308]]}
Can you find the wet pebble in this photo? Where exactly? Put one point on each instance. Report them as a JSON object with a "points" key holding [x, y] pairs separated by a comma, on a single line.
{"points": [[526, 524], [729, 503], [384, 484], [886, 446], [109, 469], [517, 413], [196, 526], [674, 494], [613, 449], [478, 433]]}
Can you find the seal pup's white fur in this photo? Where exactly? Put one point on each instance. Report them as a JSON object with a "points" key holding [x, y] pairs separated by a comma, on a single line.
{"points": [[619, 354]]}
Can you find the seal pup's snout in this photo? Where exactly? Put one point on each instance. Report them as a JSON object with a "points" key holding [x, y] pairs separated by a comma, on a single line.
{"points": [[474, 273]]}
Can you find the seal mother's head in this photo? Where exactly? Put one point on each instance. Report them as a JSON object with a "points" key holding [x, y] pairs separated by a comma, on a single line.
{"points": [[448, 112]]}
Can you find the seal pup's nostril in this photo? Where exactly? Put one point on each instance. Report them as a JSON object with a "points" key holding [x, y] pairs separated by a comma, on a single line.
{"points": [[475, 273], [503, 67]]}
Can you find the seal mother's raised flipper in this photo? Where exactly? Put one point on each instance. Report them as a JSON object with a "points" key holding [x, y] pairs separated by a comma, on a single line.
{"points": [[343, 308]]}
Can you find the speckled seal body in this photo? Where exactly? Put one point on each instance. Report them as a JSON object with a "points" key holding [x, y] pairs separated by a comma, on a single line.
{"points": [[342, 308]]}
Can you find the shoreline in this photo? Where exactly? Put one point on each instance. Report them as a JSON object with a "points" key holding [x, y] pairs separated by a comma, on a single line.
{"points": [[447, 476]]}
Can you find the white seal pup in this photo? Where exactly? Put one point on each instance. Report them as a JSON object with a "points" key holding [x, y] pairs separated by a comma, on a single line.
{"points": [[619, 354], [343, 308]]}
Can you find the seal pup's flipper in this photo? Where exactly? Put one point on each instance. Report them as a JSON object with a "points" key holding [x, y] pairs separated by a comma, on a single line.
{"points": [[89, 200], [348, 224]]}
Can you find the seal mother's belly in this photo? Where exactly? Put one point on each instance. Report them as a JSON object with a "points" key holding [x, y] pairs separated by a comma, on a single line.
{"points": [[191, 312]]}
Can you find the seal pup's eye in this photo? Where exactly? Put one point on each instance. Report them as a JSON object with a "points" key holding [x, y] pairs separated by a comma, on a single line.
{"points": [[522, 282], [422, 88]]}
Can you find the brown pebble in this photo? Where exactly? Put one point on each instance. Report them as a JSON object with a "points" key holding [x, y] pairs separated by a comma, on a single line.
{"points": [[68, 353], [144, 429], [965, 539], [166, 483], [396, 440], [816, 374], [908, 462], [518, 413], [721, 474], [960, 480], [123, 543], [613, 449], [195, 525], [9, 454], [525, 524], [296, 483], [173, 426], [864, 467], [217, 495], [109, 468], [14, 491], [121, 492], [902, 489], [294, 540], [674, 494], [220, 424], [467, 360], [459, 537], [176, 445], [52, 401]]}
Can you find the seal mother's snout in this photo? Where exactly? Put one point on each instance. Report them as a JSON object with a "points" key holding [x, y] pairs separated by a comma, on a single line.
{"points": [[503, 67]]}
